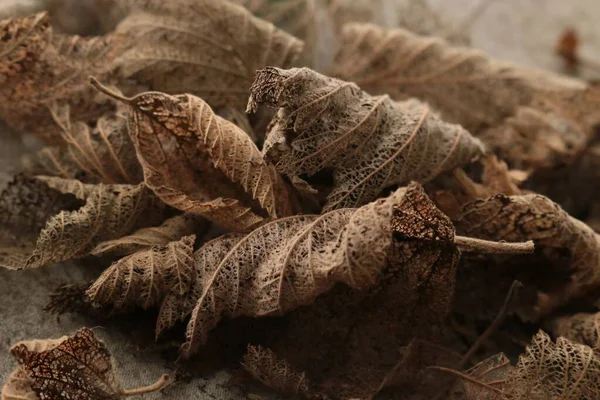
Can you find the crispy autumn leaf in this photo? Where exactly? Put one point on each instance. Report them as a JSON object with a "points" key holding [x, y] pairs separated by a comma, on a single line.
{"points": [[171, 230], [486, 379], [273, 372], [144, 277], [77, 367], [370, 142], [581, 328], [198, 162], [18, 387], [176, 305], [38, 233], [204, 47], [568, 244], [465, 85], [561, 370], [38, 67], [289, 262]]}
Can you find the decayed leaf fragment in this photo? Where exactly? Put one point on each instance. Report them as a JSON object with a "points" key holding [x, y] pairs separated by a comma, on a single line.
{"points": [[203, 47], [466, 86], [77, 367], [581, 328], [370, 142], [273, 372], [561, 370], [200, 163], [41, 227], [145, 277], [170, 230], [567, 243], [38, 67], [289, 262]]}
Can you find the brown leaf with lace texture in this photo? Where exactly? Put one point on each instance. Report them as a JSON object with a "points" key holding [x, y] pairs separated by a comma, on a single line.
{"points": [[38, 68], [78, 367], [207, 48], [464, 84], [562, 240], [177, 306], [561, 370], [289, 262], [72, 230], [145, 277], [370, 142], [581, 328], [200, 163], [275, 373], [170, 230], [486, 376]]}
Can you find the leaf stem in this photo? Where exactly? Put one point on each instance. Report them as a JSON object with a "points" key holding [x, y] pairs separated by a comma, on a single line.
{"points": [[159, 384], [107, 91], [467, 244]]}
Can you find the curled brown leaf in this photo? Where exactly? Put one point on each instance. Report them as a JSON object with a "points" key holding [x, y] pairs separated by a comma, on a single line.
{"points": [[370, 142], [78, 366], [200, 163]]}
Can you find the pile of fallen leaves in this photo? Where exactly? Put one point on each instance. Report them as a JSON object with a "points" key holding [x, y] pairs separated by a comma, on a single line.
{"points": [[413, 217]]}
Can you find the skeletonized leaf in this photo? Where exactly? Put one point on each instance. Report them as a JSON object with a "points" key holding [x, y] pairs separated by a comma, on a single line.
{"points": [[561, 370], [289, 262], [569, 244], [57, 234], [371, 142], [105, 153], [487, 378], [171, 230], [198, 162], [465, 85], [38, 68], [78, 367], [208, 48], [143, 278], [177, 306], [273, 372], [581, 328]]}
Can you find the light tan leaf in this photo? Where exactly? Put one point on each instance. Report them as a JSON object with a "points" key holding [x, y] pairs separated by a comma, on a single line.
{"points": [[105, 153], [198, 162], [546, 370], [78, 367], [208, 48], [465, 85], [38, 68], [566, 244], [18, 387], [43, 228], [171, 230], [177, 306], [581, 328], [273, 372], [145, 277], [289, 262], [370, 142]]}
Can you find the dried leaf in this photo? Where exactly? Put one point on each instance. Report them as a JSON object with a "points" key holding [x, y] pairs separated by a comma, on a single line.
{"points": [[208, 48], [546, 370], [484, 377], [78, 367], [200, 163], [171, 230], [273, 372], [564, 242], [177, 306], [18, 387], [465, 85], [580, 328], [145, 277], [43, 234], [289, 262], [371, 142], [38, 68]]}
